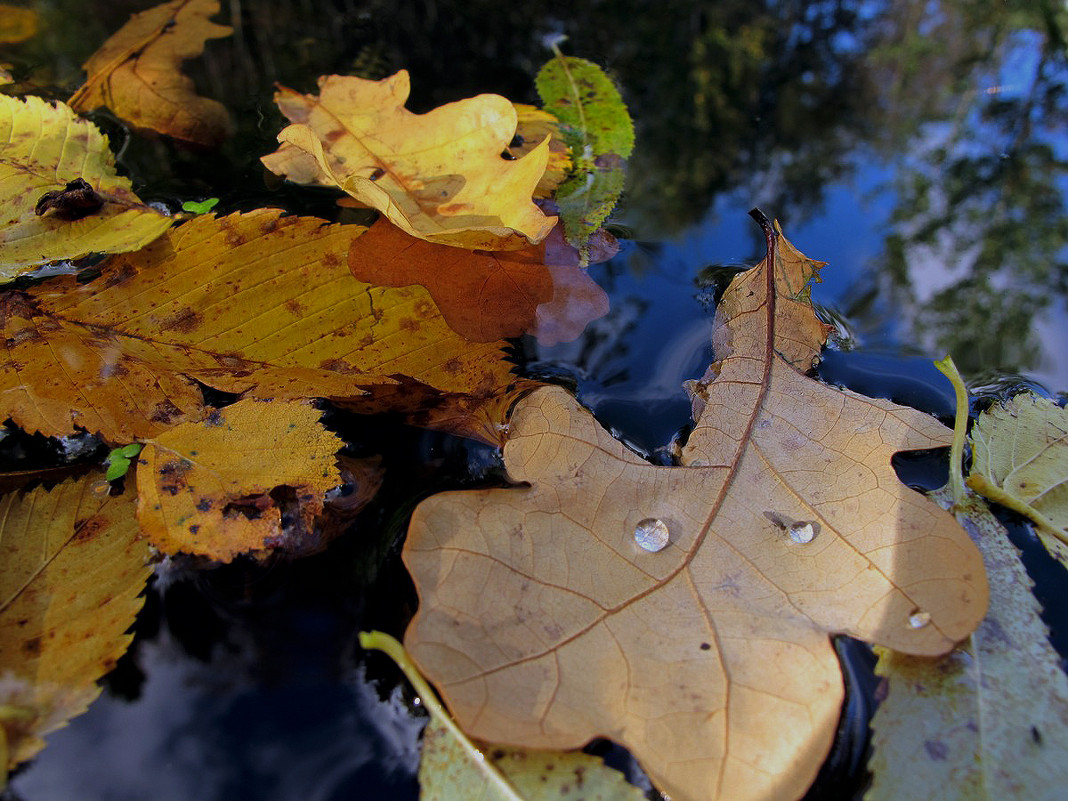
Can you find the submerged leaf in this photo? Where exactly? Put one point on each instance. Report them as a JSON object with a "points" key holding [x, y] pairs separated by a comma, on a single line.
{"points": [[440, 176], [990, 721], [17, 24], [680, 611], [136, 73], [219, 488], [46, 150], [74, 566], [254, 303]]}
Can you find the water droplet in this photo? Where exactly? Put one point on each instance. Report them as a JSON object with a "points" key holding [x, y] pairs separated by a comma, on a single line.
{"points": [[802, 531], [651, 534], [700, 463], [918, 619]]}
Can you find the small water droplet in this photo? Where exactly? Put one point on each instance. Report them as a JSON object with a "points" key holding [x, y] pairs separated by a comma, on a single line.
{"points": [[918, 619], [802, 531], [651, 534], [700, 463]]}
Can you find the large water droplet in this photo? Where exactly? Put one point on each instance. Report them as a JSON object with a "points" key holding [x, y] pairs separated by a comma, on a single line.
{"points": [[802, 531], [651, 534], [918, 619]]}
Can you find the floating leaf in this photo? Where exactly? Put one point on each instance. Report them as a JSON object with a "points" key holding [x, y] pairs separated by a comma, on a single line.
{"points": [[483, 295], [74, 565], [137, 73], [200, 206], [45, 149], [218, 488], [680, 611], [253, 303], [118, 461], [453, 767], [439, 176], [990, 721], [596, 125], [534, 126], [1020, 460]]}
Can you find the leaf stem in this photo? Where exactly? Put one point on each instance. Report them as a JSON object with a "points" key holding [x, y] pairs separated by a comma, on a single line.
{"points": [[960, 427], [388, 645], [992, 492]]}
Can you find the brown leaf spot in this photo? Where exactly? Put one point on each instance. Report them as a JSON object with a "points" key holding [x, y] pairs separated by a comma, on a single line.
{"points": [[32, 647], [183, 322], [88, 529]]}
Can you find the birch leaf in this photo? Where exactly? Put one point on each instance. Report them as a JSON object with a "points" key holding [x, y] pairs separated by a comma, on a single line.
{"points": [[439, 176], [43, 148], [74, 567], [137, 73], [685, 612], [990, 721]]}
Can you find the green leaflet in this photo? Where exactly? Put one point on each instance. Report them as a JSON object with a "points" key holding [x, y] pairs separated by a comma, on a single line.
{"points": [[598, 129]]}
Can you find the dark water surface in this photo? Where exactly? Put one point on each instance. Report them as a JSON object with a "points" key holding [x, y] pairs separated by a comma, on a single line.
{"points": [[917, 147]]}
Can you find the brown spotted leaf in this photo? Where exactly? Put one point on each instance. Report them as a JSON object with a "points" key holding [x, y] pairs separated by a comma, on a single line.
{"points": [[686, 612], [74, 566], [487, 295], [254, 303], [137, 73], [219, 488]]}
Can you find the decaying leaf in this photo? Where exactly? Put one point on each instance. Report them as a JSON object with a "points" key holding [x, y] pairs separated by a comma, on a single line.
{"points": [[137, 73], [1020, 460], [440, 176], [17, 24], [46, 149], [484, 295], [534, 126], [219, 488], [990, 721], [254, 303], [452, 768], [74, 566], [596, 125], [685, 612]]}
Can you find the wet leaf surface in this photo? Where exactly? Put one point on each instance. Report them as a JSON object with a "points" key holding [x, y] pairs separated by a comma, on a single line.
{"points": [[705, 649]]}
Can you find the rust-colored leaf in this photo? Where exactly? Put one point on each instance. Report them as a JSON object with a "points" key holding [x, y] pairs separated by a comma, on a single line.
{"points": [[485, 295], [219, 488], [74, 565], [136, 73], [439, 176], [553, 613], [254, 303]]}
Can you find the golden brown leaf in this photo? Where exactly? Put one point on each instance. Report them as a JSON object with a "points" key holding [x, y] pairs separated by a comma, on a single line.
{"points": [[43, 149], [486, 295], [439, 176], [137, 73], [17, 24], [74, 566], [534, 125], [545, 622], [218, 488], [253, 303]]}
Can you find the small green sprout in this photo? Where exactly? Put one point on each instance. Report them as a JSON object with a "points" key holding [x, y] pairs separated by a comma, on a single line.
{"points": [[200, 206], [118, 461]]}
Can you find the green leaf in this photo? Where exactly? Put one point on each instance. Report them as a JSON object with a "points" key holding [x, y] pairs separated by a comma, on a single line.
{"points": [[130, 451], [597, 127], [990, 721], [200, 206], [453, 767], [118, 460]]}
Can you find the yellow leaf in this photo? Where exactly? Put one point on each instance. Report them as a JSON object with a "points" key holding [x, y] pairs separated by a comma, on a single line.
{"points": [[254, 303], [991, 720], [685, 612], [439, 176], [534, 126], [136, 73], [73, 567], [45, 147], [17, 24], [216, 488]]}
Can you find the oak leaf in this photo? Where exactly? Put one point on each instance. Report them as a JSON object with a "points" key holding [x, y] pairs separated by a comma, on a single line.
{"points": [[254, 303], [45, 148], [218, 488], [74, 565], [685, 612], [137, 73], [440, 176], [486, 295]]}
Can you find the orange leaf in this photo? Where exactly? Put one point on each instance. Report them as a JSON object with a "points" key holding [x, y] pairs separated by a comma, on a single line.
{"points": [[486, 295], [439, 176], [219, 488], [685, 612], [136, 73]]}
